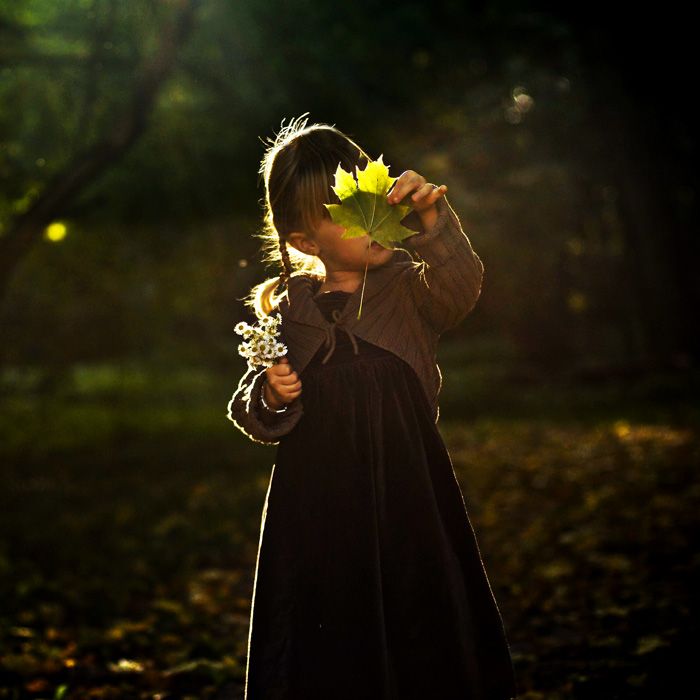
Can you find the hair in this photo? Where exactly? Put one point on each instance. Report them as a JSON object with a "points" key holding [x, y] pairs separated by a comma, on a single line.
{"points": [[298, 169]]}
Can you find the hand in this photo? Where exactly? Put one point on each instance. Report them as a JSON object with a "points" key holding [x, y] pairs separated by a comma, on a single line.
{"points": [[282, 384], [425, 194]]}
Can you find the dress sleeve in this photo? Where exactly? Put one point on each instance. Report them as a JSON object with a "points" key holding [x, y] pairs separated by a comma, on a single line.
{"points": [[250, 417], [447, 283]]}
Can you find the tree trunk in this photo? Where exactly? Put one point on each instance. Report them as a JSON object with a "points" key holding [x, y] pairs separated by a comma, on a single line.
{"points": [[59, 192]]}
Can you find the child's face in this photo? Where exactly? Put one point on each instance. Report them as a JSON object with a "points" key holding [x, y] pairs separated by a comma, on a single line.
{"points": [[341, 254]]}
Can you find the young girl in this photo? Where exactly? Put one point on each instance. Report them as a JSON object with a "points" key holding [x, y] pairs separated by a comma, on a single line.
{"points": [[369, 583]]}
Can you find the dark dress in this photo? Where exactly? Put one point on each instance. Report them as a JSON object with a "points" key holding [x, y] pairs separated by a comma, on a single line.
{"points": [[369, 582]]}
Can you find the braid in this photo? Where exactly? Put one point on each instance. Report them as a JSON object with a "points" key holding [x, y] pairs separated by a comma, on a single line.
{"points": [[286, 263]]}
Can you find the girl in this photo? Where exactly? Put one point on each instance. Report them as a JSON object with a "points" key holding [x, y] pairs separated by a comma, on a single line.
{"points": [[369, 582]]}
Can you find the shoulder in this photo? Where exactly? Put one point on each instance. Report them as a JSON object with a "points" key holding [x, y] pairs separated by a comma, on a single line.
{"points": [[295, 301]]}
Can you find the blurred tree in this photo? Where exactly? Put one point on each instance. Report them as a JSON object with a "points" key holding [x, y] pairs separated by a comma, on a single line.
{"points": [[645, 151], [559, 163], [43, 202]]}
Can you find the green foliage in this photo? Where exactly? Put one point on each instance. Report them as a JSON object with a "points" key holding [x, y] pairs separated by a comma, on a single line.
{"points": [[364, 209], [69, 69]]}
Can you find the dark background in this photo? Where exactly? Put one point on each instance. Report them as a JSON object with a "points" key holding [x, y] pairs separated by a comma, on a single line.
{"points": [[130, 141]]}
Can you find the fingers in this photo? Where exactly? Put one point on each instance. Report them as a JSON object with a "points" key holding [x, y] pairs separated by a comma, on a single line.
{"points": [[424, 196], [424, 192], [405, 183], [283, 372], [284, 382], [281, 368], [288, 381], [428, 193], [286, 394], [291, 395]]}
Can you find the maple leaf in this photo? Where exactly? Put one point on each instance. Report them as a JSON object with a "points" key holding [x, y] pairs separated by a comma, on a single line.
{"points": [[364, 209]]}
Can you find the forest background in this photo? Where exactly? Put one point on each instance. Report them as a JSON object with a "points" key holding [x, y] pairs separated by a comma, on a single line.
{"points": [[130, 141]]}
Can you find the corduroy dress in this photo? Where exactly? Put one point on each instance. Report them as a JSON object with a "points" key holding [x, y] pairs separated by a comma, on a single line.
{"points": [[369, 582]]}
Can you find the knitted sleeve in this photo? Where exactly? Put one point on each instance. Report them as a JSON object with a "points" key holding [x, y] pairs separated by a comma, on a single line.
{"points": [[447, 283], [252, 419]]}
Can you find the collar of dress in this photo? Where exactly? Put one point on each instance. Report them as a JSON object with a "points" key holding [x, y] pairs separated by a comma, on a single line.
{"points": [[299, 303]]}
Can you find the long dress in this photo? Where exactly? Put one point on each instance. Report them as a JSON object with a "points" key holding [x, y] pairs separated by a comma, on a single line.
{"points": [[369, 583]]}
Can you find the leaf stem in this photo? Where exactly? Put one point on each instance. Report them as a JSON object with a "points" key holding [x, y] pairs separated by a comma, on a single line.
{"points": [[362, 294]]}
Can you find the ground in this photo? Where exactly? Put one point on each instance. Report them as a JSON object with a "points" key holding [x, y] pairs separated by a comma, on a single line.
{"points": [[130, 521]]}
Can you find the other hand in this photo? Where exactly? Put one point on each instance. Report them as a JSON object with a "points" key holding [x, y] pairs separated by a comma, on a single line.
{"points": [[282, 384]]}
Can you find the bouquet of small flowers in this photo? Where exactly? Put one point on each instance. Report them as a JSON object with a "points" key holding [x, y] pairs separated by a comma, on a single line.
{"points": [[262, 345]]}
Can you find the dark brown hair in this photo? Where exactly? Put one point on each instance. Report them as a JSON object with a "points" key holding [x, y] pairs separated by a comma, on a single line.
{"points": [[298, 169]]}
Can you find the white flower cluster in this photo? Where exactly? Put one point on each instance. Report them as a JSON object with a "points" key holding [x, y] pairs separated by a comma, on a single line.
{"points": [[262, 345]]}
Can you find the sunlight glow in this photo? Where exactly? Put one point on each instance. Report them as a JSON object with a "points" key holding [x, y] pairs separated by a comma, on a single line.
{"points": [[56, 231]]}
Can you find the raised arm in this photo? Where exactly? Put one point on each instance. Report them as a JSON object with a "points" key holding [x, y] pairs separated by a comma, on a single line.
{"points": [[447, 283], [247, 413]]}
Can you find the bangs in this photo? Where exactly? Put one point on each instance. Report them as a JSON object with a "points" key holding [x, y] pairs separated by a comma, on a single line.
{"points": [[315, 187]]}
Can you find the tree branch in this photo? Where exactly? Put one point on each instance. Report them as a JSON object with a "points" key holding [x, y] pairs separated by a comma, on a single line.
{"points": [[27, 227]]}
